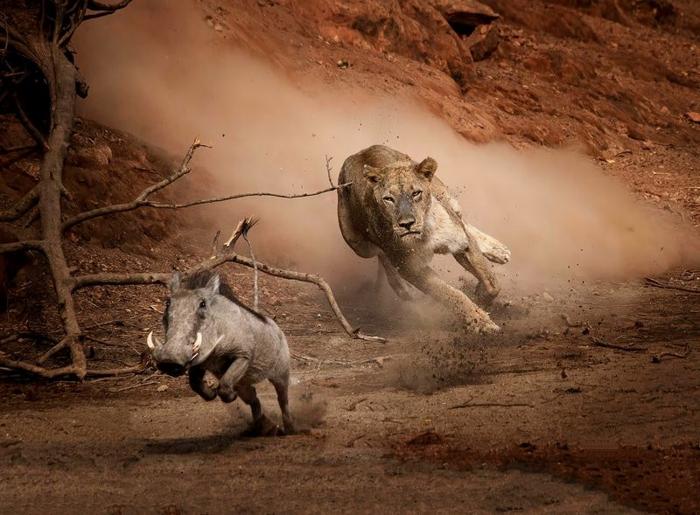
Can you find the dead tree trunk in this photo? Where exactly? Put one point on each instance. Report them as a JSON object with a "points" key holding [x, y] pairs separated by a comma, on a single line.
{"points": [[38, 37]]}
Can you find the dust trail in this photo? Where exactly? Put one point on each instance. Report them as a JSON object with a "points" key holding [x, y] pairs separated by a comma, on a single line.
{"points": [[158, 70]]}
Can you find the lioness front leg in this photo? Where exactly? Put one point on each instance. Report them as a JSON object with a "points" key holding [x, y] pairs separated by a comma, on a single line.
{"points": [[426, 280], [474, 262], [393, 277]]}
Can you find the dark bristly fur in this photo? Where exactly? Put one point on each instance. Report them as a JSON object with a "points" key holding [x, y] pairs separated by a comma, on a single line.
{"points": [[199, 280]]}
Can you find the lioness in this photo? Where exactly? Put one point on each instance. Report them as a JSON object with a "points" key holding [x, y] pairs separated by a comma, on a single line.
{"points": [[395, 209]]}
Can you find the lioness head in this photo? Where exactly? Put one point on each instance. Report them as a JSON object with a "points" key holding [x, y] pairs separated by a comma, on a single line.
{"points": [[402, 194]]}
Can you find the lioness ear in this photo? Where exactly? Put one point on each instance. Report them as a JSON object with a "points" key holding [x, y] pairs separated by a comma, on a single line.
{"points": [[213, 284], [174, 282], [372, 174], [427, 168]]}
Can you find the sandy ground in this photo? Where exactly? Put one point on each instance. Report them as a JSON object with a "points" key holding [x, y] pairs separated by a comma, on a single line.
{"points": [[540, 419]]}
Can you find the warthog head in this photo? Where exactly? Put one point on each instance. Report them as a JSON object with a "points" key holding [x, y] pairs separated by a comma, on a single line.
{"points": [[402, 194], [190, 329]]}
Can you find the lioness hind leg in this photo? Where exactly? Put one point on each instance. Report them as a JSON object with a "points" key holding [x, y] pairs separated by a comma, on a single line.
{"points": [[426, 280], [393, 278]]}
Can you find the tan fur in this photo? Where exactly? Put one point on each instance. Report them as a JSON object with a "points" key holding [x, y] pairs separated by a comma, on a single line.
{"points": [[397, 210]]}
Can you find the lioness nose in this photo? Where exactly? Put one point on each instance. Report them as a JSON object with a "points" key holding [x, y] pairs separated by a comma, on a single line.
{"points": [[407, 224]]}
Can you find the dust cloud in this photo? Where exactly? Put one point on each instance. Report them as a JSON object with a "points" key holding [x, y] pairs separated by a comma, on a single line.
{"points": [[159, 71]]}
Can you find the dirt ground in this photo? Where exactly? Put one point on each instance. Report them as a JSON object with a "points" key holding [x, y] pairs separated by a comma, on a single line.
{"points": [[543, 419], [588, 402]]}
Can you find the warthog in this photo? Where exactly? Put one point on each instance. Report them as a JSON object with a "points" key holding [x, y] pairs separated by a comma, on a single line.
{"points": [[225, 346]]}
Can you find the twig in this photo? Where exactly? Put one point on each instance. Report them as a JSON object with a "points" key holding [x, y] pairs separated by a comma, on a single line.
{"points": [[329, 169], [215, 244], [142, 198], [353, 405], [132, 387], [659, 284], [255, 267], [469, 404], [28, 125], [601, 343], [658, 357]]}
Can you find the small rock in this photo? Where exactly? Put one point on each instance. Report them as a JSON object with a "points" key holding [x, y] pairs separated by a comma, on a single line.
{"points": [[693, 116], [483, 41], [162, 388], [546, 296], [218, 27], [343, 64], [98, 156]]}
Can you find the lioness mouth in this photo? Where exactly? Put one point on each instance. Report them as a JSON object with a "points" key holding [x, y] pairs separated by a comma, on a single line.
{"points": [[408, 233]]}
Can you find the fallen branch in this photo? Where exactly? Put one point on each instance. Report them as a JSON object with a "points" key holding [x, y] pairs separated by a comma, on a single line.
{"points": [[656, 358], [601, 343], [469, 404], [660, 284], [226, 256], [142, 200], [132, 387]]}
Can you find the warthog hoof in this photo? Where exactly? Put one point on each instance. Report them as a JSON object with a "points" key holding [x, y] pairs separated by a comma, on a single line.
{"points": [[264, 427]]}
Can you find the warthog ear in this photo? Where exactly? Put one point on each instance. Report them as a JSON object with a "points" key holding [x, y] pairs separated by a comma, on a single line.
{"points": [[213, 284], [372, 174], [427, 168], [175, 282]]}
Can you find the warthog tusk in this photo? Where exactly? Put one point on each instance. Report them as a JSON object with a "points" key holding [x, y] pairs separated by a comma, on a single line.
{"points": [[152, 341], [197, 343]]}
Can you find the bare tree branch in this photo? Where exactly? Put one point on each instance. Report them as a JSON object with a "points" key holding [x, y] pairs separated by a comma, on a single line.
{"points": [[141, 199], [136, 204], [227, 256], [21, 245], [22, 206], [329, 169], [28, 125]]}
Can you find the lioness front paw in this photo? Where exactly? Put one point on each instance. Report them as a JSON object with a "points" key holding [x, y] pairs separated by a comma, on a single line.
{"points": [[486, 294], [487, 328]]}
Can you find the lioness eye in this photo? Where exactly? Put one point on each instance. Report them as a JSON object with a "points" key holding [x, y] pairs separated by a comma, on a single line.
{"points": [[417, 194], [390, 200], [202, 304]]}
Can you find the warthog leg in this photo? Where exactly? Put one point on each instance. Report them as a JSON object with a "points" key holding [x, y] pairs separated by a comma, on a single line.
{"points": [[427, 281], [228, 384], [250, 397], [282, 389], [262, 426], [203, 383]]}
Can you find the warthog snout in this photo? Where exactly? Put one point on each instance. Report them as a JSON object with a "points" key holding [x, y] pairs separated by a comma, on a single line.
{"points": [[173, 359], [172, 369]]}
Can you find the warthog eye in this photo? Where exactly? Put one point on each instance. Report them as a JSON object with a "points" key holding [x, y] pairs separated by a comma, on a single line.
{"points": [[417, 194], [389, 200]]}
